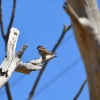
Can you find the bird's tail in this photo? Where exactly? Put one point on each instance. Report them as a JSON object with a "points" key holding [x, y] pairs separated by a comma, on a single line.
{"points": [[54, 53]]}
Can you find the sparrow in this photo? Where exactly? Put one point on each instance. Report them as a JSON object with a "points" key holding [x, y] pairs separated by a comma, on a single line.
{"points": [[44, 52]]}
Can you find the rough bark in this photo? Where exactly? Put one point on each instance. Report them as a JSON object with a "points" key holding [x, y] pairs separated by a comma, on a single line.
{"points": [[85, 17]]}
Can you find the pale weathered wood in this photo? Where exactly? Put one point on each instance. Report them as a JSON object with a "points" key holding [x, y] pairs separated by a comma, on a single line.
{"points": [[85, 19], [33, 65], [9, 63], [11, 46], [12, 61]]}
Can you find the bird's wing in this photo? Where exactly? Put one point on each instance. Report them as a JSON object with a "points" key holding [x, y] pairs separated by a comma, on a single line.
{"points": [[44, 50]]}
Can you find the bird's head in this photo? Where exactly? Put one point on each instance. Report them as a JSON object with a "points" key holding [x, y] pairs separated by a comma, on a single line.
{"points": [[39, 47]]}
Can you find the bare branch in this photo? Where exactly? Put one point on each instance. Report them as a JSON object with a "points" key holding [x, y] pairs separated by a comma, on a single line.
{"points": [[26, 68], [12, 60], [42, 60], [8, 91], [80, 90], [61, 37], [20, 53], [9, 64], [0, 11], [1, 21], [45, 64], [33, 65], [12, 19]]}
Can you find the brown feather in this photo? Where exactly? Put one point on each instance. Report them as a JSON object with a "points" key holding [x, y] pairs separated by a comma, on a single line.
{"points": [[43, 51]]}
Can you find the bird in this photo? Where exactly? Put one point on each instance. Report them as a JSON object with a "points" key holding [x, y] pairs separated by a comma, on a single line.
{"points": [[44, 52]]}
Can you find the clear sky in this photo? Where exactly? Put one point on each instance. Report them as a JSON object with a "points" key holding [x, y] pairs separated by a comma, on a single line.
{"points": [[41, 23]]}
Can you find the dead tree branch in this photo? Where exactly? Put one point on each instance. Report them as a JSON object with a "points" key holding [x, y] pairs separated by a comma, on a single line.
{"points": [[61, 37], [20, 53], [12, 60], [80, 90], [11, 19], [33, 65], [8, 91], [1, 21], [45, 64]]}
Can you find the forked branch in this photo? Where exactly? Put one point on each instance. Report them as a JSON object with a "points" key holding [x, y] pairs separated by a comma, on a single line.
{"points": [[12, 60]]}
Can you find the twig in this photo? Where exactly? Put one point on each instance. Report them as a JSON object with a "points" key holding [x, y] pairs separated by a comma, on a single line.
{"points": [[80, 90], [68, 68], [11, 19], [20, 53], [0, 12], [61, 37], [45, 64], [32, 65], [8, 91], [1, 22]]}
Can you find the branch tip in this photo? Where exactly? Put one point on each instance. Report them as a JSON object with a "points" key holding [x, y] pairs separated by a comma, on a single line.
{"points": [[45, 64], [80, 90], [20, 53], [12, 18]]}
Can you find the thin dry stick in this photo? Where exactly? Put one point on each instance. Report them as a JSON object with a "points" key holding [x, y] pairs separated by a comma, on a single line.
{"points": [[45, 64], [1, 21], [8, 91], [80, 90], [0, 13], [11, 19]]}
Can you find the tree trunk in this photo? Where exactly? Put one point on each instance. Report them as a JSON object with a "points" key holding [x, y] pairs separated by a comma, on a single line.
{"points": [[85, 19]]}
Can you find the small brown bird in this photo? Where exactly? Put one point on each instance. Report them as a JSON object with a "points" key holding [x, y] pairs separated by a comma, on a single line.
{"points": [[43, 52]]}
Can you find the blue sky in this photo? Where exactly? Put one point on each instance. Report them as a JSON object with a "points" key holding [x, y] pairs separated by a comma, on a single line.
{"points": [[41, 23]]}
